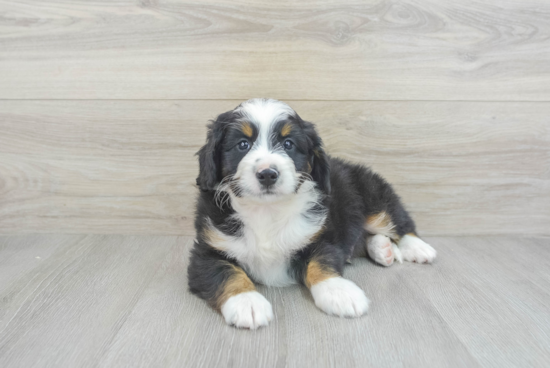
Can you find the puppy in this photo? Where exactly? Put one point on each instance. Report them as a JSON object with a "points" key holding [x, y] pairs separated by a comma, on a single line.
{"points": [[275, 209]]}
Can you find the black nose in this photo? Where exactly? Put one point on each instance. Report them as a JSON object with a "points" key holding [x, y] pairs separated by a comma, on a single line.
{"points": [[267, 177]]}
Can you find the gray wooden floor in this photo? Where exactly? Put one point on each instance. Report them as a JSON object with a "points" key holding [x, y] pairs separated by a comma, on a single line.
{"points": [[94, 300]]}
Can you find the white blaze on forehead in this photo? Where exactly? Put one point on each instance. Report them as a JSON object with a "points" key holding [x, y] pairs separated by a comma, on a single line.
{"points": [[264, 113]]}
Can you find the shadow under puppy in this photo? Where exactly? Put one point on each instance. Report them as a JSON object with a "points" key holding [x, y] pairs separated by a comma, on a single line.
{"points": [[275, 209]]}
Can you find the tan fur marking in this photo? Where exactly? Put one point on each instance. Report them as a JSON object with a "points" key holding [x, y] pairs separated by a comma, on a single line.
{"points": [[247, 129], [412, 234], [316, 273], [212, 238], [238, 283], [286, 130], [380, 223]]}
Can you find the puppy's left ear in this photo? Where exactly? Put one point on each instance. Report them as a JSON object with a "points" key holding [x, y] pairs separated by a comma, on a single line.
{"points": [[320, 167], [209, 156]]}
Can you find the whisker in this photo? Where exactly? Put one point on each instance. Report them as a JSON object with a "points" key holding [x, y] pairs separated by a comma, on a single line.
{"points": [[221, 197], [305, 176]]}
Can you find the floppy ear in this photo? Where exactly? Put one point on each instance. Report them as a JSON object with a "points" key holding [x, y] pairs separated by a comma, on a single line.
{"points": [[320, 167], [209, 156]]}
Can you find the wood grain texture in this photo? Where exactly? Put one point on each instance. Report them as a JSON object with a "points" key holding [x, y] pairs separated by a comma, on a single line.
{"points": [[309, 50], [77, 299], [129, 166], [515, 327], [21, 254], [122, 301]]}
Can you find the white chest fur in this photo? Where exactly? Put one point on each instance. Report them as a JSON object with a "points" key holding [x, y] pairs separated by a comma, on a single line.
{"points": [[271, 233]]}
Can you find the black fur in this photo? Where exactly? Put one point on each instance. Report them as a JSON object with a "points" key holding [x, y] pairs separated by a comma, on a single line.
{"points": [[352, 193]]}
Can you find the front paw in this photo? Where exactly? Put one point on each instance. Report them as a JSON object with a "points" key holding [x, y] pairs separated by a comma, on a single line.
{"points": [[340, 297], [247, 310]]}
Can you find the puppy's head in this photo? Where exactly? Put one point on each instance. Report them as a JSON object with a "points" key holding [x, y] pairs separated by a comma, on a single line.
{"points": [[262, 149]]}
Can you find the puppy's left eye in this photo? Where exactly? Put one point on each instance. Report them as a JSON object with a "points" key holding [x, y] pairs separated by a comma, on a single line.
{"points": [[244, 145], [288, 144]]}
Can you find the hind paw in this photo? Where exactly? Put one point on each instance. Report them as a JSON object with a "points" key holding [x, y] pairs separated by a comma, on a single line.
{"points": [[381, 250], [416, 250]]}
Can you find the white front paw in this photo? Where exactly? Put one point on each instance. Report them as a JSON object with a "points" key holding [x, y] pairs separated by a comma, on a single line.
{"points": [[414, 249], [340, 297], [247, 310]]}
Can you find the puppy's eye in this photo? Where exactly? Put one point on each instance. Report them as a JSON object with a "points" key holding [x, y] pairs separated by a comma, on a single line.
{"points": [[288, 144], [244, 145]]}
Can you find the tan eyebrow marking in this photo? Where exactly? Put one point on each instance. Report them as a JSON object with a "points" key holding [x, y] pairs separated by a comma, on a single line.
{"points": [[286, 129], [247, 129]]}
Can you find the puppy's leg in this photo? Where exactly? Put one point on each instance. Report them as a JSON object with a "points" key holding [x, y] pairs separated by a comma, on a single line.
{"points": [[227, 288], [385, 215], [398, 227], [394, 223], [332, 293]]}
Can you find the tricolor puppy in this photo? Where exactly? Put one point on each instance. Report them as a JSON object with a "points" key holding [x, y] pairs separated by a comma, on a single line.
{"points": [[275, 209]]}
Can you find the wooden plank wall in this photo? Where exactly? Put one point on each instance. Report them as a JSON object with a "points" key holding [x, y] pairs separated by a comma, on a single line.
{"points": [[103, 104]]}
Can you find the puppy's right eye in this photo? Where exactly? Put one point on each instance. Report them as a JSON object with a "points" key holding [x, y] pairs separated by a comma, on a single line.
{"points": [[244, 145]]}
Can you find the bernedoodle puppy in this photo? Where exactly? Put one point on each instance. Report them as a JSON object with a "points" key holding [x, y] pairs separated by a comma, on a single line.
{"points": [[275, 209]]}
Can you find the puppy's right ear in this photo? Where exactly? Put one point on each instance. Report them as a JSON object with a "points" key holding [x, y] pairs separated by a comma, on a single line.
{"points": [[209, 155]]}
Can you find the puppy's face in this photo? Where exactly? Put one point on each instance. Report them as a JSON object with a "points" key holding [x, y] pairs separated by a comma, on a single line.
{"points": [[262, 149], [265, 151]]}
